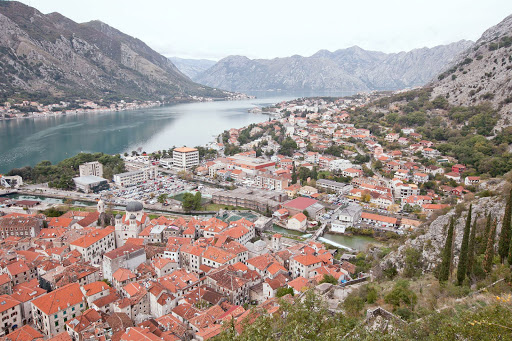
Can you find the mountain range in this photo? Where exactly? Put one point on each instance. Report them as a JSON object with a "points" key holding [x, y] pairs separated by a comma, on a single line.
{"points": [[482, 74], [350, 69], [48, 57], [192, 67]]}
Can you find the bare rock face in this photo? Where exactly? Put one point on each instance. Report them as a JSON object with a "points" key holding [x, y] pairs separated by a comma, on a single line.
{"points": [[351, 69], [432, 242], [483, 73], [50, 55]]}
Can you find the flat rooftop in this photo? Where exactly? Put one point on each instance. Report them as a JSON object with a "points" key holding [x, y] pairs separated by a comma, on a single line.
{"points": [[88, 179]]}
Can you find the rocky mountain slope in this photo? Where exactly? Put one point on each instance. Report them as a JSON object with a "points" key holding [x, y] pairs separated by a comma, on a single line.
{"points": [[192, 67], [483, 73], [351, 69], [43, 56], [432, 241]]}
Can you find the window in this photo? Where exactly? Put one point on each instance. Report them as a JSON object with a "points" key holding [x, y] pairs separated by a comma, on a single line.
{"points": [[65, 319], [73, 309], [56, 323], [81, 305]]}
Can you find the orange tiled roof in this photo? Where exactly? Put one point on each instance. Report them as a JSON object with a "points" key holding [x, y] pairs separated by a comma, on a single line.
{"points": [[122, 275], [59, 299]]}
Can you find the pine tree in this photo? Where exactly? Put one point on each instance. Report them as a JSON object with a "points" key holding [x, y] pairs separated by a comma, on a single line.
{"points": [[444, 270], [504, 242], [489, 250], [471, 248], [463, 257], [294, 175], [488, 224]]}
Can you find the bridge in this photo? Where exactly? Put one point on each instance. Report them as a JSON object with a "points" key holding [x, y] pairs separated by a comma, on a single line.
{"points": [[318, 233]]}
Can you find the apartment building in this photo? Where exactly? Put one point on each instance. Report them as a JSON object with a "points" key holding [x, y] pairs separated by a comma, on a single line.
{"points": [[10, 314], [128, 179], [91, 168], [185, 158], [272, 182], [93, 245], [19, 272], [20, 226], [303, 265], [50, 312], [254, 199], [128, 256]]}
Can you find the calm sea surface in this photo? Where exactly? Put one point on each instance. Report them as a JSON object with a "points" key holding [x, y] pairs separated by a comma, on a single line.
{"points": [[25, 142]]}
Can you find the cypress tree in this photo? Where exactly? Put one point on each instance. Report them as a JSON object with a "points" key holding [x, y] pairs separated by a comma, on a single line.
{"points": [[444, 270], [489, 250], [504, 242], [471, 248], [294, 175], [488, 224], [463, 257]]}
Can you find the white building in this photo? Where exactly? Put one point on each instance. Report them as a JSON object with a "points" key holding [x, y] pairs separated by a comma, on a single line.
{"points": [[128, 179], [131, 223], [91, 168], [297, 222], [348, 216], [93, 245], [303, 265], [339, 165], [185, 158]]}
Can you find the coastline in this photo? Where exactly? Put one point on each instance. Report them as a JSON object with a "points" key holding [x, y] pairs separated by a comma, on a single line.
{"points": [[129, 106]]}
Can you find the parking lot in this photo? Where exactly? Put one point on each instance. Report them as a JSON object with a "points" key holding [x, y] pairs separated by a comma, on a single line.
{"points": [[149, 191]]}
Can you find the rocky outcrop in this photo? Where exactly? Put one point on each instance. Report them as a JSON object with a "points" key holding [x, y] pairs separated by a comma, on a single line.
{"points": [[49, 55], [483, 73], [351, 69], [432, 241]]}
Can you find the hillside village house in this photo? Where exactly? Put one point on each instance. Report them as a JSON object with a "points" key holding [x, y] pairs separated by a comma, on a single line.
{"points": [[303, 265], [298, 222]]}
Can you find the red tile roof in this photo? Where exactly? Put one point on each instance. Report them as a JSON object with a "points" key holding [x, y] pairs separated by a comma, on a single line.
{"points": [[300, 203], [7, 302], [59, 299]]}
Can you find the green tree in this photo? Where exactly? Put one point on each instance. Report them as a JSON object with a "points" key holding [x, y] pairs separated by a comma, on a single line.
{"points": [[485, 237], [471, 248], [504, 241], [446, 254], [412, 262], [463, 257], [314, 173], [189, 202], [162, 198], [401, 295], [353, 305], [329, 279], [294, 174], [489, 251], [197, 201], [284, 291]]}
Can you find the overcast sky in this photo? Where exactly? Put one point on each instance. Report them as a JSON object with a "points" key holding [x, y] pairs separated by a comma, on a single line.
{"points": [[214, 29]]}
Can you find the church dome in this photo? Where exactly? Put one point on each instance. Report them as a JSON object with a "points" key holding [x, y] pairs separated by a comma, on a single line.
{"points": [[118, 216], [132, 216], [134, 206]]}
